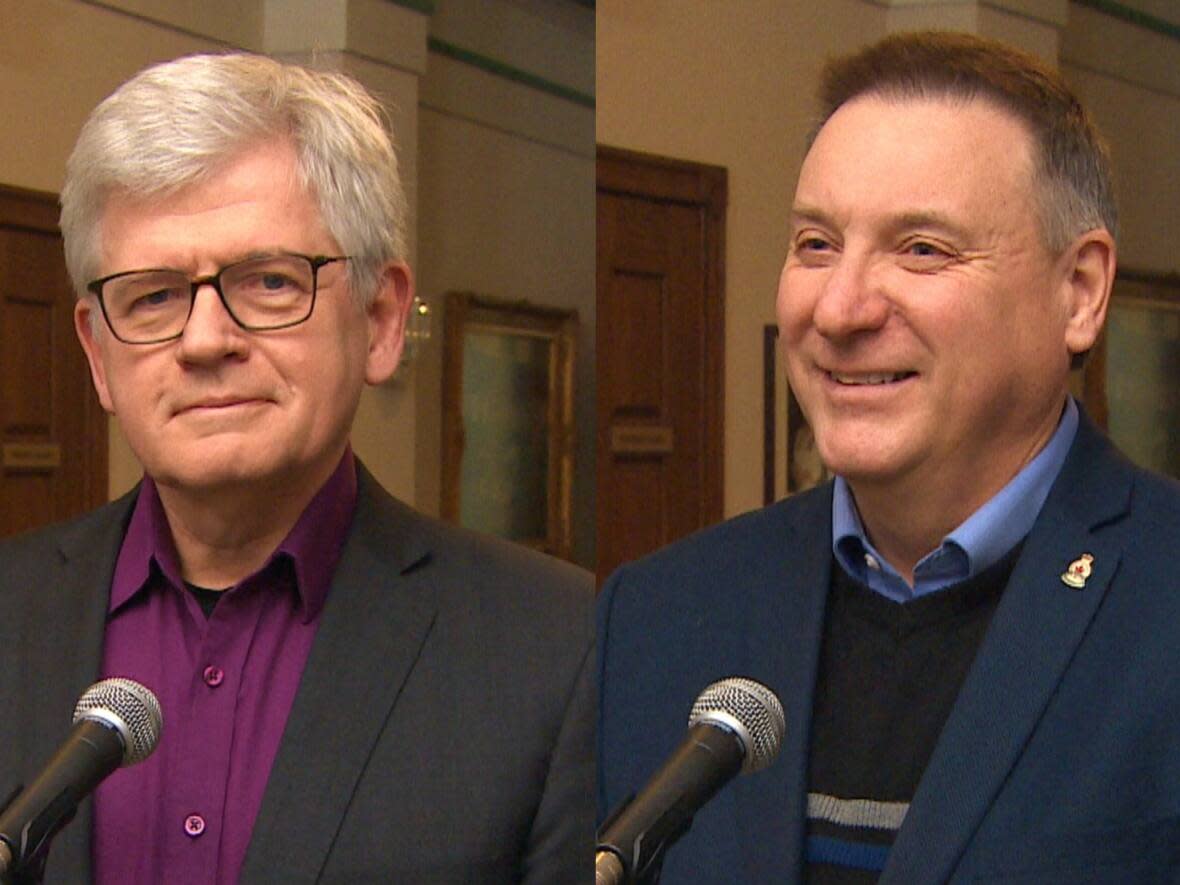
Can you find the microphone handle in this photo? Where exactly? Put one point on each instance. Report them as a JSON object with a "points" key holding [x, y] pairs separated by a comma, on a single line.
{"points": [[608, 869], [639, 832], [92, 750]]}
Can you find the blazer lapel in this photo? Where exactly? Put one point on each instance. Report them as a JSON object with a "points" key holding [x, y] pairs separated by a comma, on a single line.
{"points": [[1033, 635], [64, 662], [786, 610], [378, 615]]}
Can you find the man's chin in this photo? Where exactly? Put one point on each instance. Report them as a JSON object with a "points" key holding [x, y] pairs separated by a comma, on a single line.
{"points": [[866, 465], [209, 476]]}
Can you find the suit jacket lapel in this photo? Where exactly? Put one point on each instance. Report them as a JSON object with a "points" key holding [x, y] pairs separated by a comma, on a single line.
{"points": [[63, 663], [1033, 635], [786, 609], [374, 624]]}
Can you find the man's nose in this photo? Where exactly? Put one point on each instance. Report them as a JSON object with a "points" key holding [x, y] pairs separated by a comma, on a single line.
{"points": [[210, 333], [853, 298]]}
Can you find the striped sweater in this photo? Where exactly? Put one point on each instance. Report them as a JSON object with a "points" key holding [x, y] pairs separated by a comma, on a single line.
{"points": [[888, 676]]}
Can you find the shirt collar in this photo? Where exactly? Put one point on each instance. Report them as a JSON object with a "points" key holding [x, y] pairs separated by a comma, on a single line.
{"points": [[980, 541], [313, 545]]}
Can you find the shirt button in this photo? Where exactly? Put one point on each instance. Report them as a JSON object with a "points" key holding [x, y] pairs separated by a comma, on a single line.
{"points": [[871, 562], [213, 676], [194, 825]]}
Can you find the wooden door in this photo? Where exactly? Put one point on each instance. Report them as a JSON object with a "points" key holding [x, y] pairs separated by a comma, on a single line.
{"points": [[53, 434], [660, 351]]}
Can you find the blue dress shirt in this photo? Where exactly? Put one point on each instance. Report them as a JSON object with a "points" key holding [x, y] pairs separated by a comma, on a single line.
{"points": [[986, 535]]}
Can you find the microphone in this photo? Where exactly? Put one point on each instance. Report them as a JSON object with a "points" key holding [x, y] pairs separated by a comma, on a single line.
{"points": [[116, 722], [736, 725]]}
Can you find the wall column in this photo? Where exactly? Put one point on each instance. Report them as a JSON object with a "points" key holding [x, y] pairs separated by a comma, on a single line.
{"points": [[383, 45]]}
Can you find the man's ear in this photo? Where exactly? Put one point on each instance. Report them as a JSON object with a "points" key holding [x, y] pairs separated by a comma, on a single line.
{"points": [[86, 320], [388, 313], [1089, 275]]}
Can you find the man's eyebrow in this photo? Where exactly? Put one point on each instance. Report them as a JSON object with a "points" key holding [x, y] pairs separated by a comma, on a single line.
{"points": [[251, 254], [928, 219], [801, 213]]}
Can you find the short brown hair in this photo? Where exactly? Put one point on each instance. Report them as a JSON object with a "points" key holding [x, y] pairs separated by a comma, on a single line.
{"points": [[1072, 163]]}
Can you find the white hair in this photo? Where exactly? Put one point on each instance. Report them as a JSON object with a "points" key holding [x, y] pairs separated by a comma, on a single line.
{"points": [[173, 125]]}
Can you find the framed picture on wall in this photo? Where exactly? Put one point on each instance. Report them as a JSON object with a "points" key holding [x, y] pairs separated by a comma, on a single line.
{"points": [[791, 461], [1130, 381], [508, 419]]}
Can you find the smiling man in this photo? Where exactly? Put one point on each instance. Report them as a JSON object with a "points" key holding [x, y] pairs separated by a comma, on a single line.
{"points": [[351, 692], [972, 629]]}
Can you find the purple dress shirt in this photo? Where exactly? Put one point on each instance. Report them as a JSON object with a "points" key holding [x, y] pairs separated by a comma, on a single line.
{"points": [[225, 685]]}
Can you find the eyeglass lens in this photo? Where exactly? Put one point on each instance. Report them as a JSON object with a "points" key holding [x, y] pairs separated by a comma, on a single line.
{"points": [[261, 293]]}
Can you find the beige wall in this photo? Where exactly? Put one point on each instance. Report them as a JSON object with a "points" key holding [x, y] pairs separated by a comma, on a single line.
{"points": [[507, 177], [733, 85], [1129, 78], [58, 59]]}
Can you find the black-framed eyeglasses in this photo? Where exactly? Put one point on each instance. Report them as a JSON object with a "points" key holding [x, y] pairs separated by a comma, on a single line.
{"points": [[260, 294]]}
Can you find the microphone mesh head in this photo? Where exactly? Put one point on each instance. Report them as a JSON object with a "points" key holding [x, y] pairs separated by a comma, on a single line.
{"points": [[128, 707], [751, 706]]}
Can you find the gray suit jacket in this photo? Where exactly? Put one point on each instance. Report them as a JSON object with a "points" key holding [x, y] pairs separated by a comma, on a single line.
{"points": [[1060, 760], [442, 731]]}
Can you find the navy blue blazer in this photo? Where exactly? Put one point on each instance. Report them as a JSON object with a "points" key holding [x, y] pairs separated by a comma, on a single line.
{"points": [[1060, 760]]}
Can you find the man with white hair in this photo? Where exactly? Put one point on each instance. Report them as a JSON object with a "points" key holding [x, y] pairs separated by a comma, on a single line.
{"points": [[351, 692]]}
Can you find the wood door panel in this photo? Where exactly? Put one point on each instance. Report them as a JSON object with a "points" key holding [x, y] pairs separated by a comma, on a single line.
{"points": [[27, 389], [53, 433], [637, 507], [659, 342], [634, 312]]}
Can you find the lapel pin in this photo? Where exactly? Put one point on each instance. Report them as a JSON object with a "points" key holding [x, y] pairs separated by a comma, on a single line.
{"points": [[1077, 573]]}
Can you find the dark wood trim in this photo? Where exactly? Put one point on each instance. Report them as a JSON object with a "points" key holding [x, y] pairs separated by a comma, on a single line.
{"points": [[28, 209], [1166, 285], [1164, 289], [624, 171], [1137, 17]]}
